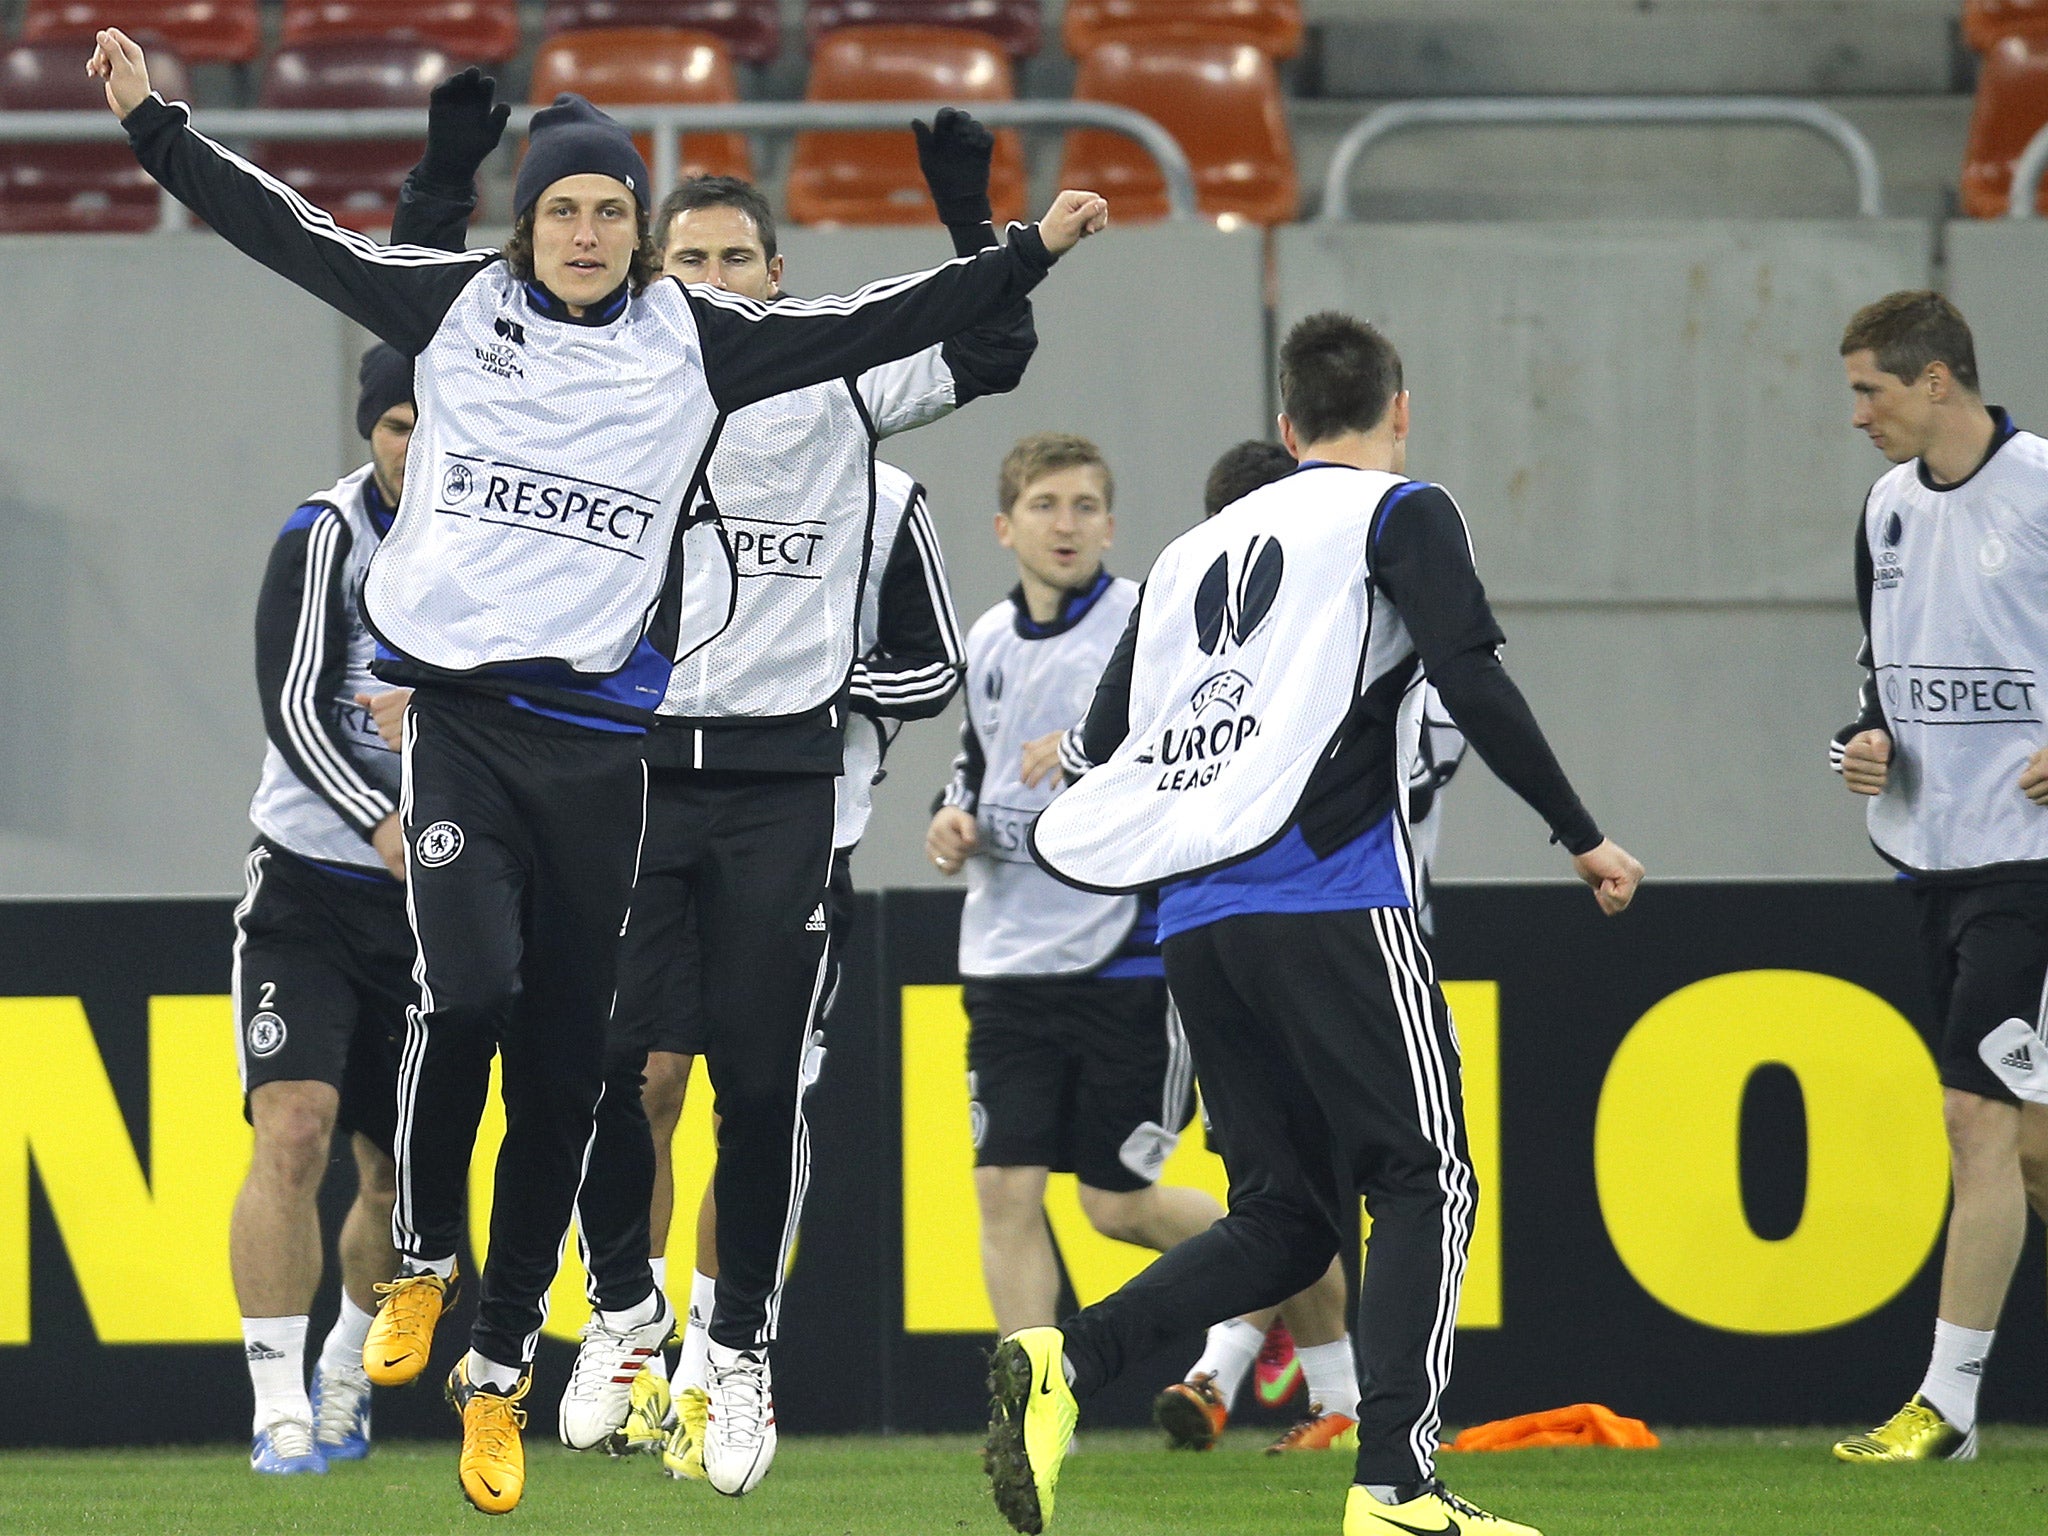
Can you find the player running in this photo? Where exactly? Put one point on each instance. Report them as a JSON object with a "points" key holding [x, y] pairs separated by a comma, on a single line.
{"points": [[323, 955], [1951, 559], [1075, 1061], [1265, 794], [567, 402], [726, 953]]}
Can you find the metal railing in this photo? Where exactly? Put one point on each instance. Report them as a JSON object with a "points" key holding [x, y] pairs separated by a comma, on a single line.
{"points": [[667, 124], [2026, 176], [1547, 111]]}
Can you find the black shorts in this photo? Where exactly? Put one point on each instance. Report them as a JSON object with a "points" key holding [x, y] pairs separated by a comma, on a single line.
{"points": [[1079, 1075], [323, 977], [1986, 952], [661, 968]]}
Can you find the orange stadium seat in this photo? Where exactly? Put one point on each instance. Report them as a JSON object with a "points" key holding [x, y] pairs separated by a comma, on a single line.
{"points": [[1271, 26], [1986, 21], [2012, 105], [1220, 100], [872, 178], [73, 188], [636, 65], [202, 31], [474, 31], [1013, 23], [356, 180], [752, 29]]}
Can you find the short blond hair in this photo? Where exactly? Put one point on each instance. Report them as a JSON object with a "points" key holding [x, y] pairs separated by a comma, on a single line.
{"points": [[1045, 453]]}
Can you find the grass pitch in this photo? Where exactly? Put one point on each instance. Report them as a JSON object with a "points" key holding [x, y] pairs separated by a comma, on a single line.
{"points": [[1702, 1483]]}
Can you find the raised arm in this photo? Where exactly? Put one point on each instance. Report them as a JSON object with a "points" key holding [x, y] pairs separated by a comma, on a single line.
{"points": [[399, 293], [954, 152], [464, 124], [753, 351]]}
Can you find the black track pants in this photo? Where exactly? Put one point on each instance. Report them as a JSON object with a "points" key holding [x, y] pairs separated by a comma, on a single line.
{"points": [[1330, 1070], [522, 835], [755, 851]]}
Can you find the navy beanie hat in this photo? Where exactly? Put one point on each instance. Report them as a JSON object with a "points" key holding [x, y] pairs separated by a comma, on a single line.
{"points": [[573, 138], [386, 380]]}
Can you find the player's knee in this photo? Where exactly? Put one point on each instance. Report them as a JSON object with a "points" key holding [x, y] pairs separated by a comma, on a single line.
{"points": [[1011, 1199], [1124, 1215], [664, 1081], [1980, 1130], [294, 1122]]}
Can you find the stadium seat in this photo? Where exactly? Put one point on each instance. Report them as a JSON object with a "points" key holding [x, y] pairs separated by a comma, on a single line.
{"points": [[474, 31], [73, 188], [1220, 100], [355, 180], [1987, 21], [2012, 104], [202, 31], [1271, 26], [752, 29], [872, 178], [635, 65], [1013, 23]]}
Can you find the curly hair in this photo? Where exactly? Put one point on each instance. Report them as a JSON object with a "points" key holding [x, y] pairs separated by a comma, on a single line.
{"points": [[645, 267]]}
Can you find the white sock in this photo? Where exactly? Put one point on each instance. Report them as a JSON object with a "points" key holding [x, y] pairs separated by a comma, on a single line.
{"points": [[1956, 1371], [1332, 1376], [486, 1372], [657, 1363], [344, 1347], [1228, 1355], [636, 1316], [1386, 1493], [275, 1348], [445, 1268], [693, 1369]]}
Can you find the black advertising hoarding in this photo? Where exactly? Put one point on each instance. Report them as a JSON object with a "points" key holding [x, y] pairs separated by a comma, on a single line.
{"points": [[1709, 1141]]}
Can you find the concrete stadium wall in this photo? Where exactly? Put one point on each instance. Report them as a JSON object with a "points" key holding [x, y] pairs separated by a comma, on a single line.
{"points": [[1643, 421], [1647, 429]]}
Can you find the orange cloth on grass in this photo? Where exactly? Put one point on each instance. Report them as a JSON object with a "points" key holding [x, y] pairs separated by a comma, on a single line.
{"points": [[1580, 1424]]}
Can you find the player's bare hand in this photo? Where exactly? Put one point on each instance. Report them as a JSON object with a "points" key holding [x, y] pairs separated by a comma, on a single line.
{"points": [[1866, 760], [118, 60], [1072, 218], [1042, 760], [387, 711], [950, 839], [2034, 777], [389, 841], [1613, 872]]}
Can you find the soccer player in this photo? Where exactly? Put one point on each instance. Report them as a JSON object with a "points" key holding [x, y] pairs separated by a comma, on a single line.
{"points": [[1075, 1062], [1951, 562], [323, 955], [1250, 734], [741, 824], [567, 402]]}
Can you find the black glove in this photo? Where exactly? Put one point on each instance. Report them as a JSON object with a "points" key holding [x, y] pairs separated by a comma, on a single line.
{"points": [[954, 154], [462, 129]]}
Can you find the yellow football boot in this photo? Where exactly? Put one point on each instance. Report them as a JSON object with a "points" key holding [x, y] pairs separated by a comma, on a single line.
{"points": [[683, 1456], [646, 1426], [1031, 1421], [493, 1465], [1917, 1432], [1320, 1431], [402, 1333], [1434, 1509]]}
